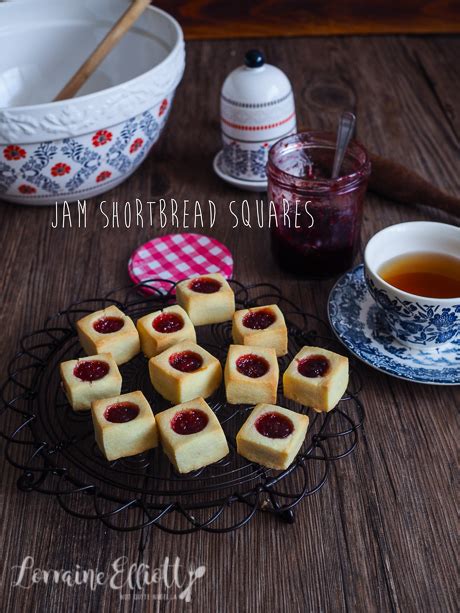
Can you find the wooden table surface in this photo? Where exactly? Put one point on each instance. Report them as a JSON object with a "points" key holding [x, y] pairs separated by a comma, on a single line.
{"points": [[380, 536]]}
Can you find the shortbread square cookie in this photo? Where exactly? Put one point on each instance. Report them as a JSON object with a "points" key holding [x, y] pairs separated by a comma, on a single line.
{"points": [[251, 375], [208, 299], [272, 436], [191, 435], [316, 378], [124, 425], [185, 371], [163, 329], [90, 378], [261, 327], [109, 331]]}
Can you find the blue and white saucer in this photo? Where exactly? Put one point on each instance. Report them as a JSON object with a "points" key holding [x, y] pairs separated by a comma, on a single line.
{"points": [[221, 171], [360, 326]]}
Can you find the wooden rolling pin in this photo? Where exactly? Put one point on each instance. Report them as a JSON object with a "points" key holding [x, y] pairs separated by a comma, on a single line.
{"points": [[126, 21], [396, 182]]}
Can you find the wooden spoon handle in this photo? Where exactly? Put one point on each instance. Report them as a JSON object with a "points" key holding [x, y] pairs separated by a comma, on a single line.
{"points": [[396, 182], [126, 21]]}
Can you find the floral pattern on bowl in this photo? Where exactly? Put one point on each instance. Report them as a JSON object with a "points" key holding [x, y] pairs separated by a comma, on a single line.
{"points": [[82, 166]]}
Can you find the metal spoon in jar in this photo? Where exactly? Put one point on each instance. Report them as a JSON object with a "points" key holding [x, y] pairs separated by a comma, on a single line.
{"points": [[344, 133]]}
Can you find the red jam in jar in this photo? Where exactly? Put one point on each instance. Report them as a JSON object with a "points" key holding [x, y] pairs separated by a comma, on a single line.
{"points": [[252, 365], [318, 219], [205, 285], [108, 325], [186, 361], [313, 366], [121, 412], [167, 323], [91, 370], [259, 320], [274, 425], [189, 421]]}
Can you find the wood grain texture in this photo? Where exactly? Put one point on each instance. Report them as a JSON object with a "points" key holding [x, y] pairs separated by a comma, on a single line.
{"points": [[381, 535], [214, 19]]}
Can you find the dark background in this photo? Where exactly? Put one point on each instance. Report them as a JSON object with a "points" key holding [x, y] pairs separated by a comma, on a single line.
{"points": [[229, 19]]}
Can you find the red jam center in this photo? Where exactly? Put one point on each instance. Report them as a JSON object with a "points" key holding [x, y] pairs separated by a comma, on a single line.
{"points": [[107, 325], [205, 285], [252, 365], [274, 425], [167, 323], [313, 366], [91, 370], [189, 421], [259, 320], [121, 412], [186, 361]]}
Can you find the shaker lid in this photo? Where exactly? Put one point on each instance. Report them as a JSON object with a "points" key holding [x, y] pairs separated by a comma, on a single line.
{"points": [[254, 58], [255, 82]]}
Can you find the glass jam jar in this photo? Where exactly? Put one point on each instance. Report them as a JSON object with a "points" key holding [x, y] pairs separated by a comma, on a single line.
{"points": [[317, 233]]}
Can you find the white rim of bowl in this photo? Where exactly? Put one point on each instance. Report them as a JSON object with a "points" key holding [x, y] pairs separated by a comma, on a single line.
{"points": [[392, 288]]}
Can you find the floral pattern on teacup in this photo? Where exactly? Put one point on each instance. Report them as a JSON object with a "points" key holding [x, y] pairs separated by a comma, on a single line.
{"points": [[415, 322], [361, 325]]}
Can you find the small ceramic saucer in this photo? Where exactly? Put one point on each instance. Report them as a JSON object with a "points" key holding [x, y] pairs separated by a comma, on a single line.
{"points": [[360, 326], [219, 169]]}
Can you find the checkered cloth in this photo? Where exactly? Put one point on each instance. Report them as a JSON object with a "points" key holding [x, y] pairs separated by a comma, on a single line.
{"points": [[178, 256]]}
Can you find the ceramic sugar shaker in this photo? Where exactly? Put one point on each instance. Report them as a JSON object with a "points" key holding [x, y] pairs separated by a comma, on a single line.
{"points": [[256, 110]]}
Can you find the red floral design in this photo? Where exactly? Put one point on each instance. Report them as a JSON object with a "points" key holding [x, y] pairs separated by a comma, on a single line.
{"points": [[27, 189], [102, 137], [163, 107], [136, 145], [14, 152], [102, 176], [60, 169]]}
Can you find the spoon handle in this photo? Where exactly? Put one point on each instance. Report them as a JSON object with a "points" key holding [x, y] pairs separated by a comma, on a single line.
{"points": [[344, 134]]}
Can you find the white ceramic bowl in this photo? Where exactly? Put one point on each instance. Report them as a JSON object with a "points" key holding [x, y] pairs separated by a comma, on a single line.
{"points": [[415, 321], [79, 148]]}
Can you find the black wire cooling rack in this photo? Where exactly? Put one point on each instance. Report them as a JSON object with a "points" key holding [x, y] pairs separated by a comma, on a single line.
{"points": [[55, 450]]}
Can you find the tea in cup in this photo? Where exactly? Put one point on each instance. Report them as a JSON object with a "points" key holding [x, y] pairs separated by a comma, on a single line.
{"points": [[412, 271]]}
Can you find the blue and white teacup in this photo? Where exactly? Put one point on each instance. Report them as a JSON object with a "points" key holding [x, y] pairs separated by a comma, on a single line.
{"points": [[415, 321]]}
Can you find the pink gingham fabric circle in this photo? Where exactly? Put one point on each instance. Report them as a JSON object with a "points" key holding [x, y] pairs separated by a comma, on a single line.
{"points": [[175, 257]]}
